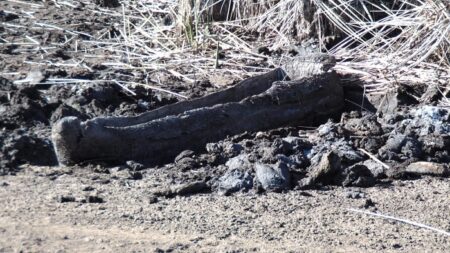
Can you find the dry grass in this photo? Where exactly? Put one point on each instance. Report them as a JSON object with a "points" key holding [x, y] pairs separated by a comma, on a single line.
{"points": [[406, 42], [409, 44], [148, 41], [384, 43]]}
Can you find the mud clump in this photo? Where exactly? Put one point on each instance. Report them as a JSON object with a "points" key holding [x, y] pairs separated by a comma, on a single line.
{"points": [[28, 111], [273, 178], [22, 106], [234, 181], [19, 147], [294, 158]]}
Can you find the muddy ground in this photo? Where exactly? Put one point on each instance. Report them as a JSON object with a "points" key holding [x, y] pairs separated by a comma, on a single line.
{"points": [[287, 189]]}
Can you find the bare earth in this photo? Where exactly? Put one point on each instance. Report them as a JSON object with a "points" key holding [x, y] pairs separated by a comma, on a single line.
{"points": [[33, 220]]}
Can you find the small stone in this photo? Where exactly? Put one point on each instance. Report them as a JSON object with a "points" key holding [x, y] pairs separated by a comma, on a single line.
{"points": [[368, 203], [108, 3], [355, 194], [152, 200], [396, 246], [305, 194], [324, 172], [377, 170], [103, 181], [273, 178], [93, 199], [186, 164], [428, 168], [260, 135], [88, 188], [357, 175], [234, 181], [189, 188], [65, 199], [186, 160]]}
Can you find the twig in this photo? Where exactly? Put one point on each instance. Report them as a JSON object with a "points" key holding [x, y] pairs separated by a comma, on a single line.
{"points": [[441, 231], [374, 158], [160, 89], [124, 87]]}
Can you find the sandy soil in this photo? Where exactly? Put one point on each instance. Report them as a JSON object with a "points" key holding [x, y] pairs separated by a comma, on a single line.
{"points": [[33, 220]]}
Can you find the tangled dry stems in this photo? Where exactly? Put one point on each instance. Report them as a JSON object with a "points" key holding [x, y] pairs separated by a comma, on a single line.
{"points": [[409, 43], [384, 43]]}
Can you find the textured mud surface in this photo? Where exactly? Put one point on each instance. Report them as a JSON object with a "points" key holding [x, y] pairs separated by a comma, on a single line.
{"points": [[287, 189]]}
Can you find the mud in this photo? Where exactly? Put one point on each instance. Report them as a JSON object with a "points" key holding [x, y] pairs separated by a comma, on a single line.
{"points": [[410, 135]]}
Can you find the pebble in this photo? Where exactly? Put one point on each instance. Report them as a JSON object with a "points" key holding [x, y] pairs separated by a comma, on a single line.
{"points": [[357, 175], [93, 199], [428, 168], [65, 199], [355, 194]]}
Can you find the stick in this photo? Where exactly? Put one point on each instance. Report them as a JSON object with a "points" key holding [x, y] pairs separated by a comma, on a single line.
{"points": [[124, 87], [375, 159], [441, 231]]}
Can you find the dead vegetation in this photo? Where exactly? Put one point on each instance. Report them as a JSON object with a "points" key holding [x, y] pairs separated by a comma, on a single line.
{"points": [[382, 43], [379, 40]]}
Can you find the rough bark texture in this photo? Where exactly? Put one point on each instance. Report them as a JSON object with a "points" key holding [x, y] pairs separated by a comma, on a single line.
{"points": [[259, 103]]}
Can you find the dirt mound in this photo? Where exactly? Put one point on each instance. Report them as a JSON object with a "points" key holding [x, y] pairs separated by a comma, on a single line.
{"points": [[28, 111], [276, 160], [334, 154]]}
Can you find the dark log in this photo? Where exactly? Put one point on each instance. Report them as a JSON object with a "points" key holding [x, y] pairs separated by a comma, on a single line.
{"points": [[256, 104]]}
